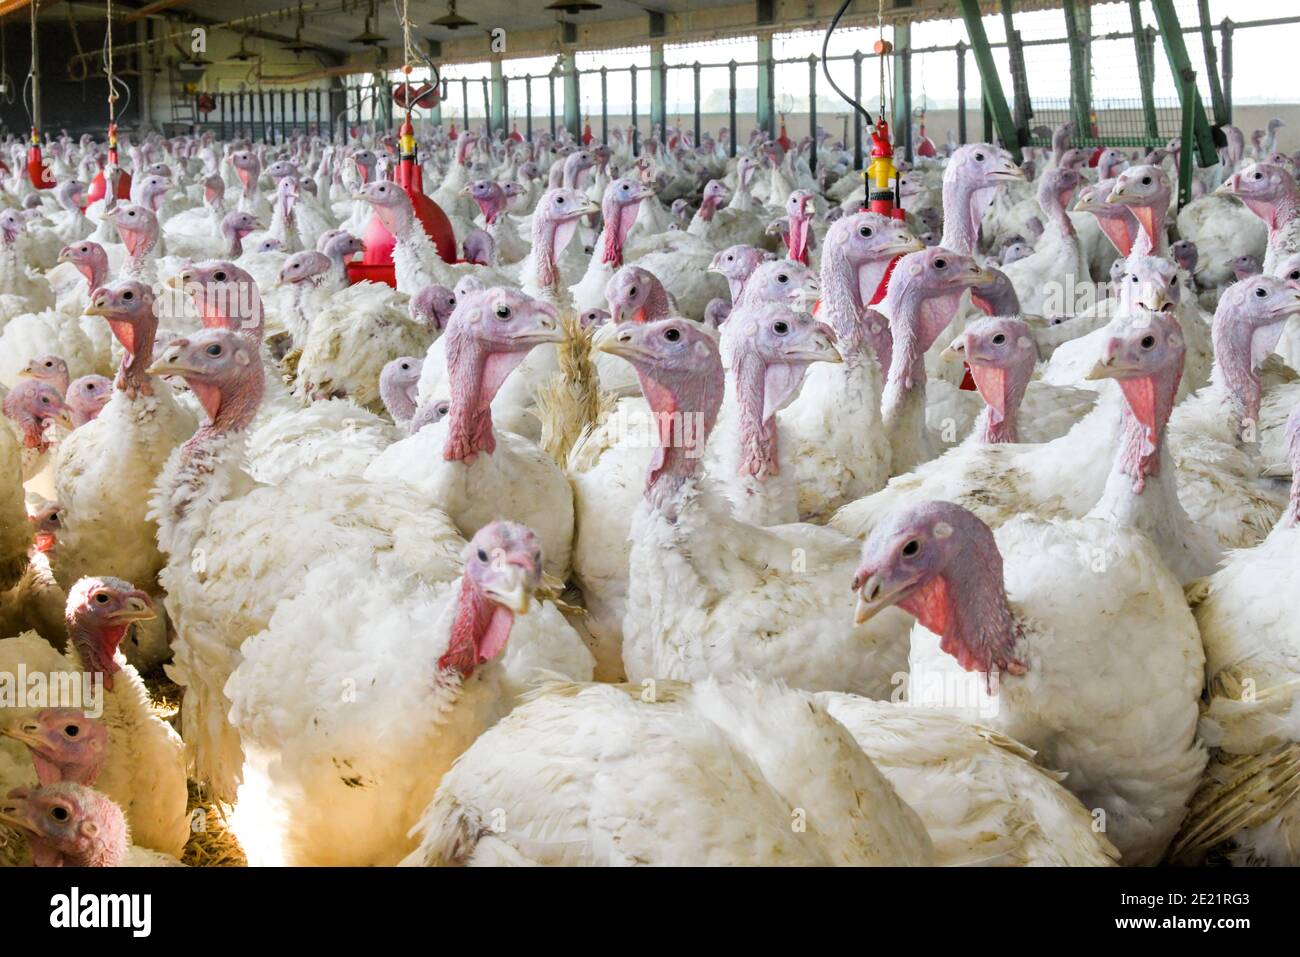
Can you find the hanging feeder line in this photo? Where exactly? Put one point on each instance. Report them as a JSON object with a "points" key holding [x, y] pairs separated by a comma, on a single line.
{"points": [[122, 179], [37, 171], [377, 259]]}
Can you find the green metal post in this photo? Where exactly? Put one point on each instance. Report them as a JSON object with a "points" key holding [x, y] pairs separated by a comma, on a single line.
{"points": [[1020, 107], [902, 120], [1172, 33], [1211, 63], [657, 107], [1080, 101], [1142, 44], [572, 108], [1191, 105], [498, 97], [1227, 27], [994, 98], [766, 95]]}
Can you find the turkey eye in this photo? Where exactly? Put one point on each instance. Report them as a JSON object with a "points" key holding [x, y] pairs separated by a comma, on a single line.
{"points": [[999, 339], [783, 278], [482, 555], [1293, 275], [911, 548], [452, 302], [940, 263], [1260, 292], [405, 366], [72, 731], [559, 201], [979, 157], [45, 400], [632, 292], [1148, 342], [59, 813], [781, 328], [503, 312], [672, 335], [102, 598], [1146, 180], [1132, 278], [128, 295], [864, 232], [731, 259], [213, 350], [219, 275]]}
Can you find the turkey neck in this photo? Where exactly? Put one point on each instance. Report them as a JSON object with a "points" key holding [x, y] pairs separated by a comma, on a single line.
{"points": [[1141, 491], [137, 339], [478, 623], [95, 647], [140, 250], [230, 411], [842, 301], [684, 413], [469, 413], [1236, 344], [757, 435], [544, 266], [1003, 390], [903, 402], [966, 605], [961, 228]]}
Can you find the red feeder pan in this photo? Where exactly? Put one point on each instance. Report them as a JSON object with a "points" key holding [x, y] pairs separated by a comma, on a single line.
{"points": [[98, 187], [377, 261], [37, 171]]}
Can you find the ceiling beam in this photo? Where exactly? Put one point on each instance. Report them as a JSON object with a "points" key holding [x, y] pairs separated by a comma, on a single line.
{"points": [[151, 8], [17, 6]]}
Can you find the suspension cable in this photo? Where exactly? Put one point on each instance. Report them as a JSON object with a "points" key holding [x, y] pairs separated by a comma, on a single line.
{"points": [[826, 67]]}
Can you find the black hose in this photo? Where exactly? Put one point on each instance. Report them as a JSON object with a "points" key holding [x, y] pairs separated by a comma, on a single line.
{"points": [[826, 67]]}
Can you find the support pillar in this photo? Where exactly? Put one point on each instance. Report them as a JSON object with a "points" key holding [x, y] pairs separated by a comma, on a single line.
{"points": [[498, 97], [995, 100], [658, 88], [902, 119], [572, 108], [766, 95]]}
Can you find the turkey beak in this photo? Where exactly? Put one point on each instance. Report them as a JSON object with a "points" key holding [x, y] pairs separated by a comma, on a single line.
{"points": [[138, 608], [64, 419], [1105, 367], [509, 589], [98, 307], [819, 349], [546, 329], [622, 344], [171, 363], [65, 254], [872, 599], [1159, 303], [361, 196], [980, 276], [12, 812], [904, 246], [1120, 196], [24, 732], [956, 352], [591, 207]]}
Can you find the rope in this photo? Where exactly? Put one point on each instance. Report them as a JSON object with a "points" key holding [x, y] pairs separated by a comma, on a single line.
{"points": [[108, 64]]}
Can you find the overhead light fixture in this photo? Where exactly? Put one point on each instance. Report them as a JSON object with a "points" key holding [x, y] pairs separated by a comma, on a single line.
{"points": [[368, 36], [298, 45], [452, 20], [573, 6], [243, 53]]}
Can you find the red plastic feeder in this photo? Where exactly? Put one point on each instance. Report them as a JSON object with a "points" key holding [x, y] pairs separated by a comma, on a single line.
{"points": [[97, 185], [377, 261], [37, 171]]}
